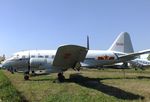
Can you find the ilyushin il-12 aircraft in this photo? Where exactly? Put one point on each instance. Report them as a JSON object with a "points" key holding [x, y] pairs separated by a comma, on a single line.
{"points": [[72, 56]]}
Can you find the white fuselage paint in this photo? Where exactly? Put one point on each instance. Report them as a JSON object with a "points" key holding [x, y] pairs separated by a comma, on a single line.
{"points": [[140, 63], [43, 59]]}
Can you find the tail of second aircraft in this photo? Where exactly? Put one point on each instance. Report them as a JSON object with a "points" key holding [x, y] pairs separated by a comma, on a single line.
{"points": [[122, 43]]}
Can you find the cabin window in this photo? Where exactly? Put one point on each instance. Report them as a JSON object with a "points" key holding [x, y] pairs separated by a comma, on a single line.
{"points": [[40, 56], [32, 56], [23, 56], [46, 56]]}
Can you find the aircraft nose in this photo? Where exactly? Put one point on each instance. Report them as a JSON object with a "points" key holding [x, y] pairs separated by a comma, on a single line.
{"points": [[5, 64]]}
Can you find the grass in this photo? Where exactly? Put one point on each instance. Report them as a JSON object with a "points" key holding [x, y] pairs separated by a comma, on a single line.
{"points": [[8, 92], [110, 85]]}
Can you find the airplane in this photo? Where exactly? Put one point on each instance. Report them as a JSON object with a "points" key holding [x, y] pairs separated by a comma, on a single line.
{"points": [[136, 63], [66, 56], [72, 56], [139, 63], [120, 52]]}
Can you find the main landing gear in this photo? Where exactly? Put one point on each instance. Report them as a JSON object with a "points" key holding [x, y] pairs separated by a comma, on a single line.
{"points": [[61, 77], [26, 75]]}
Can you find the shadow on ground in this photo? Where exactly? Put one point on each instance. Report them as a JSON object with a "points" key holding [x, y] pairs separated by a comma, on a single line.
{"points": [[143, 77], [95, 83]]}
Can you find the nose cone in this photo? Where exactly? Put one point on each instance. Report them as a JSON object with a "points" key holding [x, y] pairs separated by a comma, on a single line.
{"points": [[6, 64]]}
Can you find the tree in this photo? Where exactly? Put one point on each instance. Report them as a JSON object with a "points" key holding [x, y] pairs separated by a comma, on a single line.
{"points": [[148, 57]]}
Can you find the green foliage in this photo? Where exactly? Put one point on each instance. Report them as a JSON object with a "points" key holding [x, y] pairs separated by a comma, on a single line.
{"points": [[109, 85], [7, 92]]}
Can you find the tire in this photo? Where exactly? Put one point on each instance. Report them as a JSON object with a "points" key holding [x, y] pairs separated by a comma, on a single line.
{"points": [[61, 78], [26, 77]]}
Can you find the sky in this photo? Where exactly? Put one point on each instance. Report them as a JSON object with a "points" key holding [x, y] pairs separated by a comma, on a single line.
{"points": [[47, 24]]}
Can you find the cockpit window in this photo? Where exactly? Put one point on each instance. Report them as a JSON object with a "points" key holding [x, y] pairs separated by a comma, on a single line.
{"points": [[15, 56]]}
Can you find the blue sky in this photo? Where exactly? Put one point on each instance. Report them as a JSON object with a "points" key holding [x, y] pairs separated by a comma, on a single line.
{"points": [[47, 24]]}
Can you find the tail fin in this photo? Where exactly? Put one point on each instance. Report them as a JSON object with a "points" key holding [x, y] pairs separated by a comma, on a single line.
{"points": [[122, 43]]}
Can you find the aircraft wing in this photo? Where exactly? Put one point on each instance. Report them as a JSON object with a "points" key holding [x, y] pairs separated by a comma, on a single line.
{"points": [[67, 56], [133, 55]]}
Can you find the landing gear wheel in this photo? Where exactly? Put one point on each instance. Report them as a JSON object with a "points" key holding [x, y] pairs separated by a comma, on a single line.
{"points": [[61, 78], [33, 73], [26, 77]]}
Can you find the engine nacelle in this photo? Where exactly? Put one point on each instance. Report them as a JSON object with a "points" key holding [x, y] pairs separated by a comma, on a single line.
{"points": [[39, 63], [35, 62]]}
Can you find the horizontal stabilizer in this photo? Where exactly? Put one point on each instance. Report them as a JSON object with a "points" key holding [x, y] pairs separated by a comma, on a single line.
{"points": [[134, 55]]}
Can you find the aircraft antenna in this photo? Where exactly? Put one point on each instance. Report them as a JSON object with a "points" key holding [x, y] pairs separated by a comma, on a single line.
{"points": [[88, 47]]}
